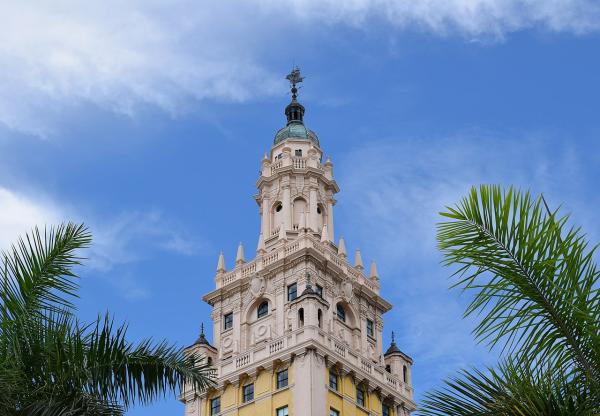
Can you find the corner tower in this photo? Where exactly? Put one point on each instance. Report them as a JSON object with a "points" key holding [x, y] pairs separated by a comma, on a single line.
{"points": [[298, 329]]}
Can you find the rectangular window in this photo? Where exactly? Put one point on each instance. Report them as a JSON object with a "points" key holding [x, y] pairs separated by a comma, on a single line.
{"points": [[360, 396], [282, 411], [292, 291], [298, 152], [215, 406], [248, 392], [370, 331], [385, 410], [333, 380], [282, 379], [228, 321], [333, 412], [319, 290]]}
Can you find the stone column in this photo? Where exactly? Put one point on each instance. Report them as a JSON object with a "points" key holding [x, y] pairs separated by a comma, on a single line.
{"points": [[266, 218], [312, 221], [287, 205], [330, 220], [310, 393]]}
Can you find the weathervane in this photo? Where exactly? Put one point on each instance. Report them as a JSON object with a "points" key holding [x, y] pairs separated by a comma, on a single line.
{"points": [[294, 78]]}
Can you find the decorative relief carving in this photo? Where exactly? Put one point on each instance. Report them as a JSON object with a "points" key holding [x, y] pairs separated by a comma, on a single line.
{"points": [[227, 344], [262, 332], [257, 286], [346, 291]]}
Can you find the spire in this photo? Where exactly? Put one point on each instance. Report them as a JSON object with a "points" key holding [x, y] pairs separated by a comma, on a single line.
{"points": [[221, 263], [239, 258], [393, 347], [324, 234], [260, 248], [342, 248], [202, 339], [294, 111], [374, 274], [358, 263]]}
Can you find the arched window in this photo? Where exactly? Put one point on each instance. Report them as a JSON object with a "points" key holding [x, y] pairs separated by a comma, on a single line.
{"points": [[320, 318], [388, 368], [300, 317], [263, 309], [341, 312], [404, 373]]}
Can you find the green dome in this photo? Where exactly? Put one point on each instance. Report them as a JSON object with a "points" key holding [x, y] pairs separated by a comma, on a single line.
{"points": [[296, 131]]}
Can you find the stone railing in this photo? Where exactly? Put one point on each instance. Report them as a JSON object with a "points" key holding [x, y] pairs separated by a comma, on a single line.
{"points": [[293, 161], [264, 352], [303, 241]]}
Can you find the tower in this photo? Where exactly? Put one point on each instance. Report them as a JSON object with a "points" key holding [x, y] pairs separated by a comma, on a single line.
{"points": [[298, 329]]}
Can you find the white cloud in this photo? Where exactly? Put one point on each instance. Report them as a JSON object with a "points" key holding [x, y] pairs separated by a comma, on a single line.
{"points": [[19, 214], [392, 191], [121, 55], [126, 238]]}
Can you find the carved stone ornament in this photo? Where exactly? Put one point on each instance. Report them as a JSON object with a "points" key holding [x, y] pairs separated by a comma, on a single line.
{"points": [[227, 343], [257, 286], [347, 291]]}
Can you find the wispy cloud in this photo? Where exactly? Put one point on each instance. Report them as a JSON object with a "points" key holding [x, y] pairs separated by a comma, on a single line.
{"points": [[123, 56], [126, 238], [392, 191]]}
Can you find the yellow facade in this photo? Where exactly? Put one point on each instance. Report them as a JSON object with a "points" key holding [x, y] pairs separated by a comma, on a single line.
{"points": [[267, 398], [344, 400]]}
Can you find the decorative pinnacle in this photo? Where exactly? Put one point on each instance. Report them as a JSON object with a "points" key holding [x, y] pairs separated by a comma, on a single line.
{"points": [[294, 78], [393, 338], [202, 329]]}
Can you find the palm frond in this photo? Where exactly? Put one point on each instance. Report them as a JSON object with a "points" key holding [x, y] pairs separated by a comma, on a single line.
{"points": [[534, 277], [510, 390], [37, 271]]}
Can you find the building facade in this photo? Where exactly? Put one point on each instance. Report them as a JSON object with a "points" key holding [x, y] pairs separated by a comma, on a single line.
{"points": [[298, 329]]}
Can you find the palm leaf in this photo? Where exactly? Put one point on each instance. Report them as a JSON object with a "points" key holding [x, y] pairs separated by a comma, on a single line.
{"points": [[511, 390], [535, 281], [37, 271]]}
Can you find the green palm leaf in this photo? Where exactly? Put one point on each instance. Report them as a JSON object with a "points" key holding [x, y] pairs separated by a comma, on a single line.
{"points": [[510, 390], [37, 275], [50, 364], [534, 278]]}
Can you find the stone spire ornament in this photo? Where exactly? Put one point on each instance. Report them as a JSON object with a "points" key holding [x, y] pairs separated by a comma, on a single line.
{"points": [[374, 274], [239, 258], [358, 263], [260, 248], [221, 263], [342, 248]]}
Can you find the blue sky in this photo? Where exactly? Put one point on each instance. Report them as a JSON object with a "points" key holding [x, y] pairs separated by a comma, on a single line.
{"points": [[147, 121]]}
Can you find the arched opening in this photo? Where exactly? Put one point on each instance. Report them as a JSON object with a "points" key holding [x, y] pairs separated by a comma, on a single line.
{"points": [[209, 360], [262, 310], [340, 312], [404, 373], [320, 318], [321, 217], [276, 217], [388, 368], [299, 210], [300, 317]]}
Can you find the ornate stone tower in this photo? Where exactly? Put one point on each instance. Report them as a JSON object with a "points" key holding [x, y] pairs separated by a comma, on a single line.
{"points": [[298, 329]]}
